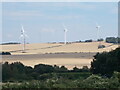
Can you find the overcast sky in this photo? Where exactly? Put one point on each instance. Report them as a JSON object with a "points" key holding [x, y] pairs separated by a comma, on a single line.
{"points": [[43, 21]]}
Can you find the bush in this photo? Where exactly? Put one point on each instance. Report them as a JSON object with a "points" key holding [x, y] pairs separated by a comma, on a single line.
{"points": [[88, 40], [106, 63], [113, 40], [5, 53]]}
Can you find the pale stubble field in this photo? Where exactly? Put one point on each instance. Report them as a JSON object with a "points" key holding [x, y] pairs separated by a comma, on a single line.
{"points": [[70, 55]]}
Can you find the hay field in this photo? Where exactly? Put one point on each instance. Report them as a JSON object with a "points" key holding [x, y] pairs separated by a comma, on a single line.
{"points": [[70, 55], [43, 48], [68, 62]]}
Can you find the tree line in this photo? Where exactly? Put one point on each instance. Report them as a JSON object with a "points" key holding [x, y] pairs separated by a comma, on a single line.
{"points": [[113, 40], [18, 72]]}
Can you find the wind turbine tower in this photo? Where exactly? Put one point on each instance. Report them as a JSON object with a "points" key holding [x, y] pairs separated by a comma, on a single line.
{"points": [[23, 35], [99, 45], [65, 35], [98, 29]]}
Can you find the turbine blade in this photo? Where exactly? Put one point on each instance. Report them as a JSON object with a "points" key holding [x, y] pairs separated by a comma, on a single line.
{"points": [[63, 25], [96, 24], [26, 35], [65, 29], [22, 29], [21, 36]]}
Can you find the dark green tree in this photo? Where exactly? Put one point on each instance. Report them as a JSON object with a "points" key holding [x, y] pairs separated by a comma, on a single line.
{"points": [[106, 63]]}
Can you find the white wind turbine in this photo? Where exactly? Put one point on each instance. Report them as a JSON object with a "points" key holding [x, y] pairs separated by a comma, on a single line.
{"points": [[65, 35], [23, 35], [98, 30]]}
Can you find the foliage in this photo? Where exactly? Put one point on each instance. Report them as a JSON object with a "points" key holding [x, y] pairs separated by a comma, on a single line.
{"points": [[5, 53], [93, 81], [88, 40], [101, 39], [15, 71], [105, 73], [113, 40], [106, 63], [18, 72]]}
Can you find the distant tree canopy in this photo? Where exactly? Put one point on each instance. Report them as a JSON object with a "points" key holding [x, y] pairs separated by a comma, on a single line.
{"points": [[106, 63], [10, 43], [18, 72], [101, 39], [5, 53], [112, 40], [42, 68], [89, 40]]}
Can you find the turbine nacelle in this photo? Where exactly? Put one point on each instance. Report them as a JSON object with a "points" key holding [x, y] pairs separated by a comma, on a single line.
{"points": [[65, 30], [97, 27]]}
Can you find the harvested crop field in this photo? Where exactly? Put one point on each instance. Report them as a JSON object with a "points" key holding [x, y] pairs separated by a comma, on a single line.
{"points": [[70, 55]]}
